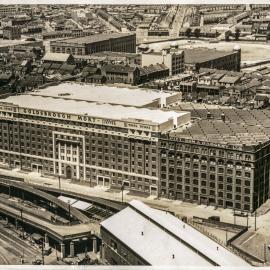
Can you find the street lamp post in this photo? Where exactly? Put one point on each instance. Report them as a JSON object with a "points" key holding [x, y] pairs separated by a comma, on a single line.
{"points": [[247, 220], [21, 211], [122, 190], [255, 220], [59, 182], [234, 216], [42, 250], [69, 212]]}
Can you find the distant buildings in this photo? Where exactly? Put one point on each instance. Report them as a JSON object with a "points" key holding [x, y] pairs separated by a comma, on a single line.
{"points": [[173, 58], [66, 34], [121, 74], [58, 58], [18, 20], [114, 42], [205, 58], [8, 9], [12, 32]]}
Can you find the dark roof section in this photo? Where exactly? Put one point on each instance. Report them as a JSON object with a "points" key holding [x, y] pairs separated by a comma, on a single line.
{"points": [[201, 55], [94, 38], [119, 68], [241, 127]]}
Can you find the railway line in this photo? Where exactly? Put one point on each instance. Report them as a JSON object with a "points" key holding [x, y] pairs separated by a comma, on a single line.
{"points": [[12, 248], [3, 258], [17, 243]]}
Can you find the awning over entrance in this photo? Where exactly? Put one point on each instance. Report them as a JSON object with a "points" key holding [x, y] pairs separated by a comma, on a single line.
{"points": [[81, 205]]}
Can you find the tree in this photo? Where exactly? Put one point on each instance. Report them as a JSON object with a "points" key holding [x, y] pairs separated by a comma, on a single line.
{"points": [[188, 32], [237, 34], [197, 32]]}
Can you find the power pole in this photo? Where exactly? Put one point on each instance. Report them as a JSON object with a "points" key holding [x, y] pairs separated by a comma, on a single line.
{"points": [[21, 211], [42, 250], [255, 220], [59, 182], [122, 189], [69, 212]]}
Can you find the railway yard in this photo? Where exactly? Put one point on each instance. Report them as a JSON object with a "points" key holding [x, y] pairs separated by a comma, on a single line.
{"points": [[47, 226], [95, 206]]}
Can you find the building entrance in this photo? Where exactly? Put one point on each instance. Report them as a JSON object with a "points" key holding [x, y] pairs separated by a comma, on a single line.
{"points": [[68, 172], [153, 191], [103, 181]]}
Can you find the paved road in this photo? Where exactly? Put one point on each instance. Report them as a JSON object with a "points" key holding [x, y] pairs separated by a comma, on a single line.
{"points": [[48, 27], [76, 23], [179, 207], [178, 21], [109, 25]]}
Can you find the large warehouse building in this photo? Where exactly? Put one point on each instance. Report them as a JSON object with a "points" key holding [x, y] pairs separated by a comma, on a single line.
{"points": [[113, 137], [141, 235], [102, 142], [114, 42]]}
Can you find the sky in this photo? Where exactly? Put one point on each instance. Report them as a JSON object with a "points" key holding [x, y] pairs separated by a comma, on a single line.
{"points": [[190, 2]]}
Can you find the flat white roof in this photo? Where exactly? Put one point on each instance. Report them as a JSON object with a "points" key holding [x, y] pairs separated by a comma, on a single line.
{"points": [[157, 246], [93, 109], [82, 205], [67, 199], [105, 94]]}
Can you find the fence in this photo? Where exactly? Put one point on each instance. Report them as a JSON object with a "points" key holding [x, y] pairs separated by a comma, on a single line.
{"points": [[253, 260]]}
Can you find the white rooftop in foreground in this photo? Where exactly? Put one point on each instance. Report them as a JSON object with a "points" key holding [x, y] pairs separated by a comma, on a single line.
{"points": [[93, 109], [157, 246], [105, 94]]}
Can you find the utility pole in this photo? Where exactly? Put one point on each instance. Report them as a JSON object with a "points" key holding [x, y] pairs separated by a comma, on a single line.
{"points": [[122, 189], [247, 220], [69, 212], [59, 182], [42, 250], [226, 237], [255, 220], [234, 216], [21, 211], [56, 252]]}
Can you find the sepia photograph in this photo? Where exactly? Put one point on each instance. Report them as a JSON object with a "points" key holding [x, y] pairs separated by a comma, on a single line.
{"points": [[134, 135]]}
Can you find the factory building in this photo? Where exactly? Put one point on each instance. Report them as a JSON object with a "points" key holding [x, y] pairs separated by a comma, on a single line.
{"points": [[114, 42]]}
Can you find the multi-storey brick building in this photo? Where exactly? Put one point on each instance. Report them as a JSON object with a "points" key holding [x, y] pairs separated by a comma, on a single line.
{"points": [[104, 144], [220, 157], [115, 42], [209, 58]]}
